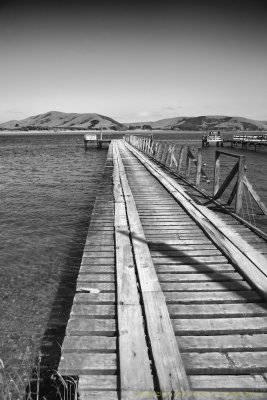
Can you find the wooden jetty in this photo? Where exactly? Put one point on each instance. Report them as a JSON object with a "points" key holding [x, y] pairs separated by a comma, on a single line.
{"points": [[171, 295], [92, 138], [245, 141]]}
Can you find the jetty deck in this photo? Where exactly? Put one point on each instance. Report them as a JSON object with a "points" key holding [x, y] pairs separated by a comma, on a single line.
{"points": [[171, 297]]}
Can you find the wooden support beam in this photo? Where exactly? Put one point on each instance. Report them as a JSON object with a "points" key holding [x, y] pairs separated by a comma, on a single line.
{"points": [[227, 181], [255, 195]]}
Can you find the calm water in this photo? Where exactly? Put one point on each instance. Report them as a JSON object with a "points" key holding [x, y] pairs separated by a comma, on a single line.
{"points": [[48, 186]]}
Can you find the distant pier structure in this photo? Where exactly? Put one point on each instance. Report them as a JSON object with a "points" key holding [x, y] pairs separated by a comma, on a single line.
{"points": [[249, 140], [94, 138]]}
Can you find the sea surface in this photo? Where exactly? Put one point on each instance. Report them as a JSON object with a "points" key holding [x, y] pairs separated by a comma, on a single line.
{"points": [[48, 187]]}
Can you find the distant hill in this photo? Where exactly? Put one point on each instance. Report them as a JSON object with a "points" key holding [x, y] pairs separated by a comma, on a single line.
{"points": [[60, 120], [73, 121], [207, 122]]}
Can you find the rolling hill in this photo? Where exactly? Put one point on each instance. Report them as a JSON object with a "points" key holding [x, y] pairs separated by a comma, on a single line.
{"points": [[205, 122], [57, 119]]}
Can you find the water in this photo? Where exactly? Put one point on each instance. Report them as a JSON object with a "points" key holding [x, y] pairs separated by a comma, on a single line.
{"points": [[48, 186]]}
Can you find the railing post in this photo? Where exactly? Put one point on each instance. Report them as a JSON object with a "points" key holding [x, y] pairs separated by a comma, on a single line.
{"points": [[166, 155], [163, 151], [216, 173], [199, 165], [181, 153], [240, 183], [188, 165]]}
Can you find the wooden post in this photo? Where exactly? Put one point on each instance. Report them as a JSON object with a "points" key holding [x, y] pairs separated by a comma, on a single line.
{"points": [[216, 173], [240, 183], [188, 165], [199, 164], [167, 154], [180, 160], [173, 159], [163, 151], [158, 151]]}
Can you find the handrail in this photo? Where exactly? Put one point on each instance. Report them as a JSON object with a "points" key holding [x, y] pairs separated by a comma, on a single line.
{"points": [[169, 154]]}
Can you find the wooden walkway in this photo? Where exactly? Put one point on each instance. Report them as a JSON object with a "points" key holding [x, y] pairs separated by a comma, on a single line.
{"points": [[171, 298]]}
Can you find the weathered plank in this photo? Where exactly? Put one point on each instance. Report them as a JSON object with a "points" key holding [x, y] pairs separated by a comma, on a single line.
{"points": [[213, 326], [212, 297], [217, 310], [200, 277], [95, 298], [204, 286], [94, 344], [194, 268], [168, 363], [93, 310], [222, 363], [229, 342], [80, 326], [135, 370], [88, 363], [84, 286], [228, 382]]}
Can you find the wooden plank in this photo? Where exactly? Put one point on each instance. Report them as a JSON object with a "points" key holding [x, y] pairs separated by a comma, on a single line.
{"points": [[99, 254], [95, 298], [167, 242], [227, 395], [135, 370], [91, 277], [229, 342], [94, 287], [186, 252], [193, 268], [98, 382], [87, 364], [165, 248], [101, 395], [96, 269], [204, 286], [213, 326], [95, 344], [93, 310], [217, 310], [200, 277], [80, 326], [190, 260], [228, 382], [212, 297], [221, 363], [167, 359]]}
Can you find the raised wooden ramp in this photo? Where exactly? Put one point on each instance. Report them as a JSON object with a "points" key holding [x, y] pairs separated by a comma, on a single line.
{"points": [[170, 300]]}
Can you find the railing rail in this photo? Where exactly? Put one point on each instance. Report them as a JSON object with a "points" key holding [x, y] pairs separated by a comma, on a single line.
{"points": [[180, 159]]}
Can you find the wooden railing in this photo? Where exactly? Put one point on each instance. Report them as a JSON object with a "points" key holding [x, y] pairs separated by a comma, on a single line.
{"points": [[180, 160]]}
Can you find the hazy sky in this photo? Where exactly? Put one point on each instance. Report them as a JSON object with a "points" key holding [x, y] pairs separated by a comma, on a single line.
{"points": [[133, 61]]}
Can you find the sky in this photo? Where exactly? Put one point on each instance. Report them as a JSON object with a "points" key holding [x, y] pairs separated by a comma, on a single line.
{"points": [[133, 60]]}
